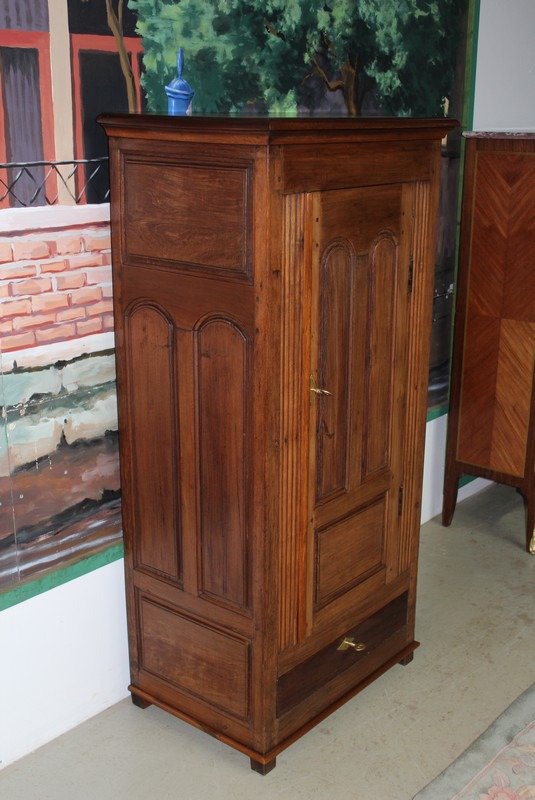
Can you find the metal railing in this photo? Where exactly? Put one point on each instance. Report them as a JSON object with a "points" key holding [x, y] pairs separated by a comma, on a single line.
{"points": [[40, 183]]}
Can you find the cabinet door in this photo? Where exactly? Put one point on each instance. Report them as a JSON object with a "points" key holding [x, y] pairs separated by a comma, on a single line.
{"points": [[358, 384]]}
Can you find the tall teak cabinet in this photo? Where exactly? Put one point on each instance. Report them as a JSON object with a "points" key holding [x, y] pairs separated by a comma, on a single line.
{"points": [[273, 287]]}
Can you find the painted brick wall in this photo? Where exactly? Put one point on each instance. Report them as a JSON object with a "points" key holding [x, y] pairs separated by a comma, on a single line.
{"points": [[55, 285], [59, 471]]}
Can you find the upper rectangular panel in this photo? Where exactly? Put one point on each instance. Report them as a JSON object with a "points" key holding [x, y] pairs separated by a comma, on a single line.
{"points": [[309, 168], [187, 216]]}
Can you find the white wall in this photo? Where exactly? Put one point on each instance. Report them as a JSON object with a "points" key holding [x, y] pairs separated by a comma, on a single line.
{"points": [[505, 70], [435, 449], [63, 658]]}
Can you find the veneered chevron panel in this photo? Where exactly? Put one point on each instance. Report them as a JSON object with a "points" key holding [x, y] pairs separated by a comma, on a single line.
{"points": [[513, 396], [502, 277], [489, 238], [519, 288], [476, 417]]}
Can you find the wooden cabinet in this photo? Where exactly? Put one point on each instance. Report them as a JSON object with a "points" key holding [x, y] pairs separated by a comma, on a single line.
{"points": [[491, 426], [273, 286]]}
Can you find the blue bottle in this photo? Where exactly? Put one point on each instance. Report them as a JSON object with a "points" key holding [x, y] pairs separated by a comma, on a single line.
{"points": [[179, 92]]}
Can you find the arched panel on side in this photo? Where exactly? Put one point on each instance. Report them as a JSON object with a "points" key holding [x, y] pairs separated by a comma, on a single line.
{"points": [[153, 440], [381, 339], [224, 437], [335, 350]]}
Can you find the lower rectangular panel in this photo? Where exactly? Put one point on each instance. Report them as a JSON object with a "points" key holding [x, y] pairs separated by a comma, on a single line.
{"points": [[200, 661], [348, 551]]}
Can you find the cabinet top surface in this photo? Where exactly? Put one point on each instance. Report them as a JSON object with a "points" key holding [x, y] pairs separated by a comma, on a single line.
{"points": [[273, 128], [499, 134]]}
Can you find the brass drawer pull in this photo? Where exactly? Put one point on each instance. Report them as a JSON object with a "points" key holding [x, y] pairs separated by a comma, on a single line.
{"points": [[348, 642]]}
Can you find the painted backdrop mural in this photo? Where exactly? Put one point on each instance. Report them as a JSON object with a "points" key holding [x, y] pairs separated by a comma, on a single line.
{"points": [[360, 56], [368, 57], [62, 62]]}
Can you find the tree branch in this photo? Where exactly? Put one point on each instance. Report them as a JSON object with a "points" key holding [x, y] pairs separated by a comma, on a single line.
{"points": [[332, 86], [115, 25], [270, 28]]}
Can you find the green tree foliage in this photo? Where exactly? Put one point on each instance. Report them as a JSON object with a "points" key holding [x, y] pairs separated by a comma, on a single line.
{"points": [[267, 53]]}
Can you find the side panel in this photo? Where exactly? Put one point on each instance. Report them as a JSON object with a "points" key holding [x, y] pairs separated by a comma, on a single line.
{"points": [[499, 336], [184, 271]]}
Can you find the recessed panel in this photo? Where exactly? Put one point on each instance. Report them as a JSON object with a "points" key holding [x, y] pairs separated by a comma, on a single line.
{"points": [[334, 359], [349, 551], [380, 353], [154, 440], [224, 394], [196, 658], [186, 216]]}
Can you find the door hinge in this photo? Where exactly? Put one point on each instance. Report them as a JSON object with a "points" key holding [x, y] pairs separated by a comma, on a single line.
{"points": [[411, 272], [400, 501]]}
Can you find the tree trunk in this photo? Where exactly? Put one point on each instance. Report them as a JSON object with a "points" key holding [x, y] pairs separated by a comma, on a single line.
{"points": [[350, 88], [348, 83], [115, 25]]}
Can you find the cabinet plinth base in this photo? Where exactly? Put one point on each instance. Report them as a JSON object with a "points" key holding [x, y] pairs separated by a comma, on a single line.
{"points": [[265, 762]]}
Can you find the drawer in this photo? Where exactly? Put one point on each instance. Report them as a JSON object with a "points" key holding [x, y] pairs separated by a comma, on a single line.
{"points": [[198, 660], [303, 680]]}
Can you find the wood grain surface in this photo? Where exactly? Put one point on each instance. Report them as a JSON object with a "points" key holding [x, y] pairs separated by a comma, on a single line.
{"points": [[272, 290]]}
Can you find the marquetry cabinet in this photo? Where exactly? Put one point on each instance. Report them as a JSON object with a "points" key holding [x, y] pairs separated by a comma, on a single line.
{"points": [[491, 425], [273, 289]]}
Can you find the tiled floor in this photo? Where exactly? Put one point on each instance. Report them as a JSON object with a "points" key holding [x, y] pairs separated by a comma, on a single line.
{"points": [[476, 623]]}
